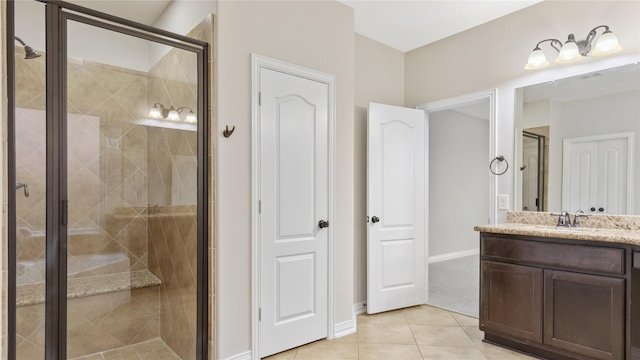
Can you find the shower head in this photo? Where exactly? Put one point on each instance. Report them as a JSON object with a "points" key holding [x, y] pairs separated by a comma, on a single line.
{"points": [[29, 53]]}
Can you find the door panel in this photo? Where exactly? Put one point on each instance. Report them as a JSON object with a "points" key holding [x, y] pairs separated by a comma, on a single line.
{"points": [[294, 198], [396, 196], [518, 291], [596, 175], [570, 295], [613, 177]]}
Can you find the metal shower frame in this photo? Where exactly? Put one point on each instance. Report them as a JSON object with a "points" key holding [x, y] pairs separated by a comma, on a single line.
{"points": [[57, 15]]}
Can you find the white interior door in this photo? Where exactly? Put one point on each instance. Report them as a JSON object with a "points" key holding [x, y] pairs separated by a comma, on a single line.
{"points": [[596, 175], [294, 194], [396, 208], [613, 176], [583, 176]]}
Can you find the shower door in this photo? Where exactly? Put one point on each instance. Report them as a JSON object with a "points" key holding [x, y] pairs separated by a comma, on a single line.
{"points": [[125, 192]]}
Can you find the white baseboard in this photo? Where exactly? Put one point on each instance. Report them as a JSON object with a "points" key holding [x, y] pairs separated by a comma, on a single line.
{"points": [[242, 356], [360, 308], [453, 255], [345, 328]]}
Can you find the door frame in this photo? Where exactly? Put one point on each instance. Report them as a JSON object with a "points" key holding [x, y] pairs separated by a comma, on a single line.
{"points": [[259, 62], [445, 105], [567, 143]]}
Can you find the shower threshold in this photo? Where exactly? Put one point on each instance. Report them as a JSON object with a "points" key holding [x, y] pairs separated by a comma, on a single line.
{"points": [[155, 349]]}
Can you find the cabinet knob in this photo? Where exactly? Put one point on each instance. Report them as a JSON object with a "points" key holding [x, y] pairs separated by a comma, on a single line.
{"points": [[375, 219], [593, 209], [601, 209], [323, 224]]}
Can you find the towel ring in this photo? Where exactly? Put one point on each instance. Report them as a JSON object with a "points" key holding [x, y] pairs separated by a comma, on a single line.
{"points": [[499, 158]]}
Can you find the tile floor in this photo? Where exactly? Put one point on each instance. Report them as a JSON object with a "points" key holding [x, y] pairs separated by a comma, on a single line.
{"points": [[421, 332], [154, 349]]}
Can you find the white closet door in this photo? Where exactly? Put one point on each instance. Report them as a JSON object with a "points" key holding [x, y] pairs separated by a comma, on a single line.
{"points": [[294, 196]]}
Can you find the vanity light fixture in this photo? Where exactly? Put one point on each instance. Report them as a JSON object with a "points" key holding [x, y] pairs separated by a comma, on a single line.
{"points": [[573, 51], [158, 111]]}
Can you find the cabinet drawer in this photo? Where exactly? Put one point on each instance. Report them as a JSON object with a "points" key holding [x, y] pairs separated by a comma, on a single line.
{"points": [[582, 257]]}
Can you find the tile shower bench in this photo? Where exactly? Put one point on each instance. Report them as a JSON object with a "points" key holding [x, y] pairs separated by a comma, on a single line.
{"points": [[104, 312]]}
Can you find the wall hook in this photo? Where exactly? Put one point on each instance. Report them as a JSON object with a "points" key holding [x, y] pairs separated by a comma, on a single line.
{"points": [[228, 132]]}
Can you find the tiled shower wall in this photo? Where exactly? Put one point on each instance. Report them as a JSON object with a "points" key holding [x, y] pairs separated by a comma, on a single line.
{"points": [[107, 165]]}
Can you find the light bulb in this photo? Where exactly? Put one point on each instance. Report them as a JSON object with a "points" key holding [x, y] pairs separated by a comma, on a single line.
{"points": [[537, 60], [191, 117], [569, 53], [607, 44], [155, 113], [173, 115]]}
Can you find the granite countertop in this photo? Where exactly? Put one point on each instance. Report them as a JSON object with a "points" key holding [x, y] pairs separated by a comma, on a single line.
{"points": [[631, 237], [604, 228]]}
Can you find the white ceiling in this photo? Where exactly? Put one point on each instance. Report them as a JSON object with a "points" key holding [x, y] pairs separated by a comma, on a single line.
{"points": [[400, 24], [407, 25]]}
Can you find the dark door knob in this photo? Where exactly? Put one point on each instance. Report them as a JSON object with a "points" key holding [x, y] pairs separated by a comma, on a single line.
{"points": [[601, 209], [593, 209], [375, 219], [323, 224]]}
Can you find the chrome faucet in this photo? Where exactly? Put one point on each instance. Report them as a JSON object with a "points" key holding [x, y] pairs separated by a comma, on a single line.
{"points": [[564, 219]]}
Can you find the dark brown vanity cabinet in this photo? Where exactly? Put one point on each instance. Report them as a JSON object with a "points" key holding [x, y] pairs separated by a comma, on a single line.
{"points": [[555, 299]]}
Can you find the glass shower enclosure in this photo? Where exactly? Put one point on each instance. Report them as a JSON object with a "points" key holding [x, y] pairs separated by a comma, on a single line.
{"points": [[107, 200]]}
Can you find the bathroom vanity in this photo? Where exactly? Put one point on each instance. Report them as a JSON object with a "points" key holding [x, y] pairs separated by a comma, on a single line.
{"points": [[561, 293]]}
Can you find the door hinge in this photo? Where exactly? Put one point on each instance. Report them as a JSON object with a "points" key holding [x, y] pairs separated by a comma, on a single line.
{"points": [[259, 98], [64, 212], [259, 314], [259, 206]]}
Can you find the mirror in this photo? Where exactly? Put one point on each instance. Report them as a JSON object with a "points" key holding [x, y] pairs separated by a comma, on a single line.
{"points": [[575, 145]]}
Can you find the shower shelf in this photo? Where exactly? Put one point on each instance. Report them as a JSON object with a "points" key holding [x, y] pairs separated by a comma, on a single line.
{"points": [[31, 294]]}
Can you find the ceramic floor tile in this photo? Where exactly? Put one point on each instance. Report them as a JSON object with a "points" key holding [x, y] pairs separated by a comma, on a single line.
{"points": [[451, 353], [389, 317], [384, 334], [389, 351], [351, 338], [285, 355], [427, 315], [328, 350], [464, 320], [474, 333], [441, 335], [493, 352]]}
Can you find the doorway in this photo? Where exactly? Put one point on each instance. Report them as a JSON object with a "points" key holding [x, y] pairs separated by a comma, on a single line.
{"points": [[107, 186], [459, 197]]}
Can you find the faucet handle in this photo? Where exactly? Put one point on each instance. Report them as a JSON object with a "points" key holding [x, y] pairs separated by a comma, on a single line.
{"points": [[577, 216]]}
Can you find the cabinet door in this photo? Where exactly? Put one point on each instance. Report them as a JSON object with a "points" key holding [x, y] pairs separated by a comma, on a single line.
{"points": [[511, 298], [584, 314]]}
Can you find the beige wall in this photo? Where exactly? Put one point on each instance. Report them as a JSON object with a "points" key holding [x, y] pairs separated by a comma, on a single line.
{"points": [[379, 77], [493, 55], [314, 34]]}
